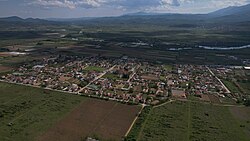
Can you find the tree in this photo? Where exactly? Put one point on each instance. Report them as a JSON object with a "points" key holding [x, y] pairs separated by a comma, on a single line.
{"points": [[247, 102]]}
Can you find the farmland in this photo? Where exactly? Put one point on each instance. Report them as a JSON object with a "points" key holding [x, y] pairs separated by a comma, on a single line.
{"points": [[29, 114], [103, 120], [24, 109], [193, 121]]}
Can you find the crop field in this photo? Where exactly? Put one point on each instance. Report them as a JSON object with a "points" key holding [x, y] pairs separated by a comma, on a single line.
{"points": [[242, 114], [194, 121], [28, 114], [245, 86], [231, 86], [5, 68], [100, 119]]}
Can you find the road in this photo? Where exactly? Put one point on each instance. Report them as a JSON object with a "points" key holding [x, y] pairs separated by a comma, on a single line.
{"points": [[170, 101], [134, 72], [227, 90], [98, 77], [131, 126]]}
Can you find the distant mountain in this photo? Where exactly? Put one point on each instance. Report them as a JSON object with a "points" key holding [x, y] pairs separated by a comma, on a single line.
{"points": [[11, 19], [142, 14], [226, 15], [21, 20], [232, 14], [70, 19], [232, 10]]}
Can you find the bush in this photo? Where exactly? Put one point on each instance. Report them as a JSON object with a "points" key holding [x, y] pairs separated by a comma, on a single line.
{"points": [[247, 102]]}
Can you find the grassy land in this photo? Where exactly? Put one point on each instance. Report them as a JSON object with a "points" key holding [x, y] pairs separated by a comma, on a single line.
{"points": [[134, 133], [231, 86], [94, 68], [242, 114], [168, 67], [27, 112], [111, 76], [245, 86], [192, 121]]}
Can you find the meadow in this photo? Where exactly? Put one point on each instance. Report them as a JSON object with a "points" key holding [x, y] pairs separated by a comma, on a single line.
{"points": [[189, 121], [29, 114]]}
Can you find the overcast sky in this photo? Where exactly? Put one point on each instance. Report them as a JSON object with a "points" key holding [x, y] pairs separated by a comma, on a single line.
{"points": [[99, 8]]}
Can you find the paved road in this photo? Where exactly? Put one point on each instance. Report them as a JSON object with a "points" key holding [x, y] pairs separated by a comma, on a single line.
{"points": [[134, 72], [227, 90], [98, 77]]}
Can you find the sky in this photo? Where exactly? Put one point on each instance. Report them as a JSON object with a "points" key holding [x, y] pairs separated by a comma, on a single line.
{"points": [[101, 8]]}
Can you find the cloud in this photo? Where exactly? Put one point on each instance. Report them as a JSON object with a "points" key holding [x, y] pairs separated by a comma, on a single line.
{"points": [[68, 3], [138, 5], [226, 3], [127, 4]]}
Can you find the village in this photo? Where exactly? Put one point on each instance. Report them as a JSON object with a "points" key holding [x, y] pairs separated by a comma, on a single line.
{"points": [[126, 80]]}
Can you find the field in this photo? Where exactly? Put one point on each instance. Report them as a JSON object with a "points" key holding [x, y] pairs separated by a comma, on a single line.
{"points": [[243, 116], [245, 86], [94, 68], [193, 121], [231, 86], [28, 114], [96, 118], [5, 69]]}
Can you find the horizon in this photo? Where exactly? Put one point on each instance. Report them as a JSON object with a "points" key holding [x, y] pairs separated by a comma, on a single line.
{"points": [[66, 9]]}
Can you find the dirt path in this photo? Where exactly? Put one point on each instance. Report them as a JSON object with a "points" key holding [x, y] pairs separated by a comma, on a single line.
{"points": [[170, 101], [131, 126]]}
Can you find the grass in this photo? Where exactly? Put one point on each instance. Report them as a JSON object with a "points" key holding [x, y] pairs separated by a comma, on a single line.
{"points": [[192, 121], [242, 114], [245, 86], [168, 67], [111, 76], [94, 68], [31, 111], [231, 86], [134, 133]]}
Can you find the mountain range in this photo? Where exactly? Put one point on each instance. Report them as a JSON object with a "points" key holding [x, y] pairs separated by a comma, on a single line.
{"points": [[228, 15]]}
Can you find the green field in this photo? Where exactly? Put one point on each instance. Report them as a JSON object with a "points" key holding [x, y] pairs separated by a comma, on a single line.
{"points": [[231, 86], [189, 121], [168, 67], [94, 68], [245, 86], [27, 112], [111, 76]]}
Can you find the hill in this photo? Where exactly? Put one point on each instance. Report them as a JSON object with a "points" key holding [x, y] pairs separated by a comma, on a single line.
{"points": [[232, 14]]}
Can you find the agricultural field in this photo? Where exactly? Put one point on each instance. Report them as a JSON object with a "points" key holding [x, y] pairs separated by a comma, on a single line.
{"points": [[245, 86], [100, 119], [194, 121], [4, 69], [231, 86], [28, 114]]}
